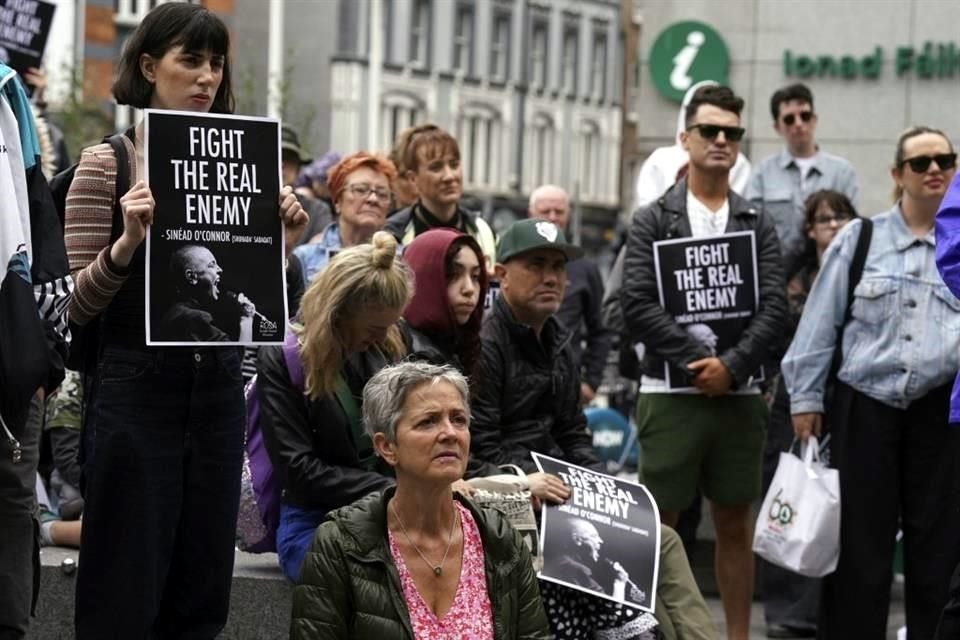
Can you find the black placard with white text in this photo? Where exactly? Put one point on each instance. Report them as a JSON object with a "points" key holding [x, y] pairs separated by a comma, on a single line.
{"points": [[24, 27], [709, 287], [215, 255], [604, 540]]}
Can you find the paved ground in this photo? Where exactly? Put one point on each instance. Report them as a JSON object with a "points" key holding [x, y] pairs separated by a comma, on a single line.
{"points": [[701, 563], [260, 607], [757, 625]]}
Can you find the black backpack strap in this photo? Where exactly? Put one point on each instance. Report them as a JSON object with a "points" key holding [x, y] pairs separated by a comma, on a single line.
{"points": [[95, 328], [123, 178]]}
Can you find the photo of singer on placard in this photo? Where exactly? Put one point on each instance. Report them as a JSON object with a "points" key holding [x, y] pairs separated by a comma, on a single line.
{"points": [[201, 310], [579, 559], [604, 539]]}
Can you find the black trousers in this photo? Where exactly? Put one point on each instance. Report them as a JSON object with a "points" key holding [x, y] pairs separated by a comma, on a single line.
{"points": [[162, 488], [18, 534], [898, 468], [788, 598], [949, 626]]}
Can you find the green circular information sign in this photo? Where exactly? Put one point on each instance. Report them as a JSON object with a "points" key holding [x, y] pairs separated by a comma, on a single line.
{"points": [[684, 54]]}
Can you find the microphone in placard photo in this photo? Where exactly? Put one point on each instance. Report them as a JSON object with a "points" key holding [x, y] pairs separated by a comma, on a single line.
{"points": [[635, 593], [247, 306]]}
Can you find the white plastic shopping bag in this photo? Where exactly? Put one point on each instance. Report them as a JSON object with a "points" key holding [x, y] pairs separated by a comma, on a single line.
{"points": [[798, 527]]}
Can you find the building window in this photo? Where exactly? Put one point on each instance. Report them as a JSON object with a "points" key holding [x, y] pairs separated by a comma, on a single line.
{"points": [[398, 111], [479, 136], [542, 140], [131, 12], [420, 34], [538, 55], [386, 29], [500, 49], [598, 66], [125, 117], [568, 71], [620, 71], [589, 159], [463, 40]]}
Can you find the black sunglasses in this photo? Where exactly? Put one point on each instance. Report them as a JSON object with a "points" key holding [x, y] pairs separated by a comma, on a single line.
{"points": [[920, 164], [790, 118], [711, 131]]}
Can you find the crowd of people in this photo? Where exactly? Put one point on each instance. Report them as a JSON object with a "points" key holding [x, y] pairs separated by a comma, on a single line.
{"points": [[423, 350]]}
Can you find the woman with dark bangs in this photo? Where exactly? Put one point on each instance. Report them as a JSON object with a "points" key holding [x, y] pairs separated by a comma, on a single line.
{"points": [[442, 321], [164, 428], [791, 601]]}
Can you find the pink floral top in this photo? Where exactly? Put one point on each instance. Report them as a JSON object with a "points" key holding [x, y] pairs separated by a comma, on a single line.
{"points": [[470, 616]]}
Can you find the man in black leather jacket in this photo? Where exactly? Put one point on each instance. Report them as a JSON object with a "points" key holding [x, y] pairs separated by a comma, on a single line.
{"points": [[711, 436]]}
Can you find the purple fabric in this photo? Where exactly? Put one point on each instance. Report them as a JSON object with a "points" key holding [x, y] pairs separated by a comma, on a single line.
{"points": [[318, 169], [264, 487], [947, 228]]}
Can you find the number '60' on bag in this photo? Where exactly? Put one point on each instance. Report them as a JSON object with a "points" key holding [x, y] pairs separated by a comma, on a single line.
{"points": [[798, 527]]}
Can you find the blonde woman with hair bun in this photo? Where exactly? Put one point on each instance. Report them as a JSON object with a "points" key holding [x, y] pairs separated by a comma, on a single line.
{"points": [[346, 331]]}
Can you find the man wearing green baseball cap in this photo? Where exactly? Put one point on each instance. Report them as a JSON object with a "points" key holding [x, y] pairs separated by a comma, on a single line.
{"points": [[526, 357]]}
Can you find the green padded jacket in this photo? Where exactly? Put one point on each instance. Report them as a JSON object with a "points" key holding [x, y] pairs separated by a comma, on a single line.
{"points": [[350, 588]]}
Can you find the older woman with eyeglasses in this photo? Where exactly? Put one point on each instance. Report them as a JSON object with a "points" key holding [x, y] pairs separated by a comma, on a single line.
{"points": [[360, 189], [418, 560]]}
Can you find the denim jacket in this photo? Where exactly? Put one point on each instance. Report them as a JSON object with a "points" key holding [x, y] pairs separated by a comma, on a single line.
{"points": [[903, 338], [314, 256], [775, 185]]}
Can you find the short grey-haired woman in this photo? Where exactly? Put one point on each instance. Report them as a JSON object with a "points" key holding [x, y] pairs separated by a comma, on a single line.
{"points": [[418, 560]]}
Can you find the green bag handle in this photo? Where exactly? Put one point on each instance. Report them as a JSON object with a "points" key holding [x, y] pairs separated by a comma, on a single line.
{"points": [[361, 440]]}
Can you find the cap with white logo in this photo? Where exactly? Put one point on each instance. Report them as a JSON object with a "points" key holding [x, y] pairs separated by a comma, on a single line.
{"points": [[532, 234]]}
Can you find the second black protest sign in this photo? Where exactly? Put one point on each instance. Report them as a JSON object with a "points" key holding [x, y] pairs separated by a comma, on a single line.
{"points": [[709, 287], [215, 260]]}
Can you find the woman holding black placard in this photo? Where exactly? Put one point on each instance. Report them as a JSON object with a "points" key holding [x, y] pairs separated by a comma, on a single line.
{"points": [[163, 445]]}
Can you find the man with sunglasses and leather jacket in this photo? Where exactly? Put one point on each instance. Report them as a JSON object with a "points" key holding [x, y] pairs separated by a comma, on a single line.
{"points": [[782, 182], [710, 434]]}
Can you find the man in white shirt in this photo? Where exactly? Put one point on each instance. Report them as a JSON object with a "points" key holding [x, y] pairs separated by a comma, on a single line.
{"points": [[665, 165], [711, 435]]}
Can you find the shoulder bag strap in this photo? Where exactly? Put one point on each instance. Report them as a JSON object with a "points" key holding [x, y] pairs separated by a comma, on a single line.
{"points": [[857, 264], [856, 273], [352, 410]]}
